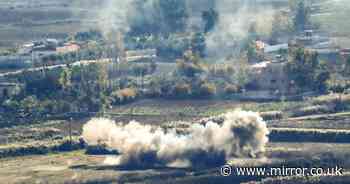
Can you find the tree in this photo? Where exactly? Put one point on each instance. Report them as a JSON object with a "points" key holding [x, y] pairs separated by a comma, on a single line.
{"points": [[30, 106], [65, 78], [198, 44], [182, 90], [158, 16], [190, 65], [307, 71], [281, 25], [174, 14], [252, 53], [141, 70], [301, 17], [96, 77], [347, 66], [207, 89], [321, 76], [210, 19]]}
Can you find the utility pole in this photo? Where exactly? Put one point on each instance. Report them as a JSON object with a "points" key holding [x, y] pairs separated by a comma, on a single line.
{"points": [[70, 130]]}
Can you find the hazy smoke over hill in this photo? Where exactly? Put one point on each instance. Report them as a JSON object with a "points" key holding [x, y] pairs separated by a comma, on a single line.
{"points": [[114, 15], [242, 134], [236, 17]]}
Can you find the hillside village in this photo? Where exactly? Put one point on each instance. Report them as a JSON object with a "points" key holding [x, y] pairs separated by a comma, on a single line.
{"points": [[169, 91], [268, 69]]}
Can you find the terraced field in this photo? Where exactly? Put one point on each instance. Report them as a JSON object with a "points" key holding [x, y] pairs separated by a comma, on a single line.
{"points": [[317, 141]]}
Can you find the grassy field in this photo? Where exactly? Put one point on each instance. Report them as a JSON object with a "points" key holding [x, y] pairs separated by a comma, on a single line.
{"points": [[298, 142], [77, 167], [22, 21], [333, 18]]}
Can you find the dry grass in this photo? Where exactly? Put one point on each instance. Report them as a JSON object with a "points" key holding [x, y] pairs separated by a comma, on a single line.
{"points": [[332, 98]]}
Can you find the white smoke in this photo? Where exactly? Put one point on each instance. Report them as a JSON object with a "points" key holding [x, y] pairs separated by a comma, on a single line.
{"points": [[113, 16], [242, 134], [235, 19]]}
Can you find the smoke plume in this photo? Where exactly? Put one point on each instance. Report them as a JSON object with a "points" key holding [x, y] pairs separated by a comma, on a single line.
{"points": [[113, 16], [236, 17], [241, 134]]}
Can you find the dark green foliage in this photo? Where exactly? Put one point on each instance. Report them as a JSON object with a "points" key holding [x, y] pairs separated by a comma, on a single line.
{"points": [[347, 66], [272, 115], [174, 14], [173, 47], [182, 91], [42, 83], [190, 65], [163, 17], [252, 53], [210, 19], [306, 135], [88, 35], [312, 110], [99, 150], [231, 89], [59, 91], [198, 44], [207, 89], [57, 146], [302, 16], [123, 96], [307, 71]]}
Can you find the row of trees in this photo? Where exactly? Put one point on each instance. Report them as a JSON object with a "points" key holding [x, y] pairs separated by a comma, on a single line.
{"points": [[307, 71], [158, 16], [91, 89]]}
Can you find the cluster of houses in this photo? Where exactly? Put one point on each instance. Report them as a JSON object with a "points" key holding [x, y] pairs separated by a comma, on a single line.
{"points": [[269, 73], [8, 88], [31, 52], [27, 55], [48, 47]]}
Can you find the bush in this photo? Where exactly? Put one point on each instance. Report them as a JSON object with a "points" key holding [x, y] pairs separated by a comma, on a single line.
{"points": [[100, 150], [231, 89], [182, 90], [222, 71], [331, 99], [317, 109], [124, 95], [207, 89], [152, 93], [272, 115], [308, 135]]}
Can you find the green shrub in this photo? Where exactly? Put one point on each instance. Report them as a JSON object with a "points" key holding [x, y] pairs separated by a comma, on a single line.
{"points": [[124, 95], [231, 89], [99, 150], [222, 71], [308, 135], [332, 98], [207, 89], [182, 90], [272, 115], [311, 110]]}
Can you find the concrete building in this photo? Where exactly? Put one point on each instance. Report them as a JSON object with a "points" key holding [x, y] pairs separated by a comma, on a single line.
{"points": [[67, 48], [8, 89], [136, 55], [271, 76], [275, 48]]}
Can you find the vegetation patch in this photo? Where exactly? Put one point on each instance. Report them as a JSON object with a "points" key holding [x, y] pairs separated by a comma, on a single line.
{"points": [[309, 135], [41, 147]]}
